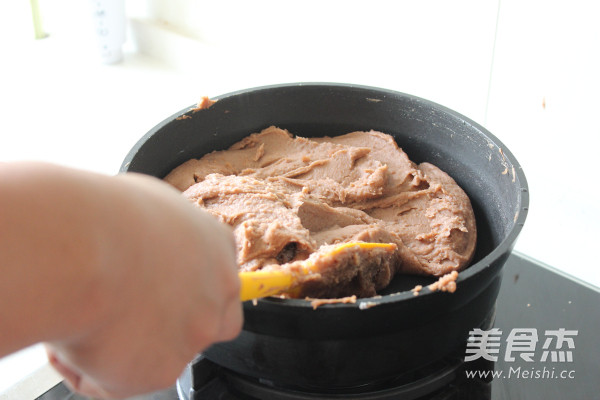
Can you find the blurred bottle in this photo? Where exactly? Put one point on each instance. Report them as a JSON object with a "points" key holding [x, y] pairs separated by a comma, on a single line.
{"points": [[109, 23], [38, 29]]}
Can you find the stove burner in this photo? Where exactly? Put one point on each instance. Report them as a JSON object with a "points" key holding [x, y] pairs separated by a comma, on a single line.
{"points": [[404, 389], [441, 380]]}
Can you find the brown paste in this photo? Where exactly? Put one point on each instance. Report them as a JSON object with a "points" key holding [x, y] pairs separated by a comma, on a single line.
{"points": [[287, 197]]}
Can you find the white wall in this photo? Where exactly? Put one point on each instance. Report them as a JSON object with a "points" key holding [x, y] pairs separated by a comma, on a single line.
{"points": [[544, 104], [437, 49]]}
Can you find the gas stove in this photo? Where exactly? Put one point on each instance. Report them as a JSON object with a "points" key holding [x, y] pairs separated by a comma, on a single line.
{"points": [[440, 380], [541, 343]]}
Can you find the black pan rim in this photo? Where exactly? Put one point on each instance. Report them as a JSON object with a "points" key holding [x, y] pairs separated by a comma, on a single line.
{"points": [[502, 249]]}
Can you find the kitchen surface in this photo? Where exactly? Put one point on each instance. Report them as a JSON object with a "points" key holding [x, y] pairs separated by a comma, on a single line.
{"points": [[527, 71]]}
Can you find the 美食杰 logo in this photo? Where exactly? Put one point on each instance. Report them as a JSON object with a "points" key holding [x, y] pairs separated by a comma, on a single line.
{"points": [[553, 347]]}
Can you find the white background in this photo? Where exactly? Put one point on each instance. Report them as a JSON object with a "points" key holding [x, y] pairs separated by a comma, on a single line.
{"points": [[526, 70]]}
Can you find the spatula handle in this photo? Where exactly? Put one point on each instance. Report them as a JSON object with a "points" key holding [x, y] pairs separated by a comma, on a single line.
{"points": [[258, 284]]}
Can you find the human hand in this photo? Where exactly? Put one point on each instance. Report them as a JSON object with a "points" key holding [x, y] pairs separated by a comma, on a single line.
{"points": [[169, 289]]}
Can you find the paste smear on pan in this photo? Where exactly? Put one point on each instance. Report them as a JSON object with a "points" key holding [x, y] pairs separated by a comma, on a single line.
{"points": [[290, 198]]}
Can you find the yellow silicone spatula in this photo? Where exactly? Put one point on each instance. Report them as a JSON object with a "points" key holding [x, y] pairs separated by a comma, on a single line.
{"points": [[258, 284]]}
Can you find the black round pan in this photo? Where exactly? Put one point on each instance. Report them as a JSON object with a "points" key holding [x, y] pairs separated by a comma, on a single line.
{"points": [[287, 342]]}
